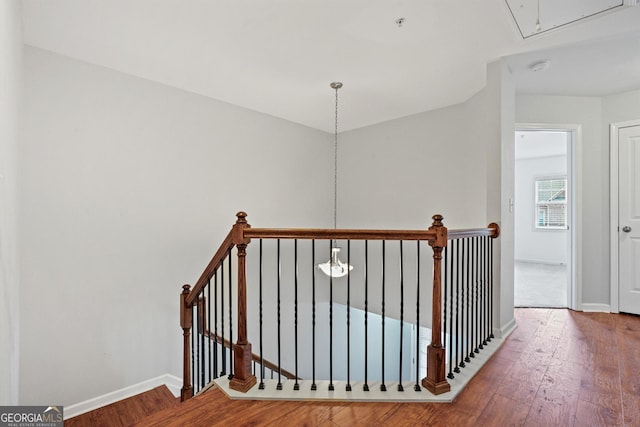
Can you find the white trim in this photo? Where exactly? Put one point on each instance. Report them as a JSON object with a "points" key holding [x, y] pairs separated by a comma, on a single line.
{"points": [[173, 383], [574, 177], [539, 261], [506, 330], [596, 308], [613, 216], [458, 383], [614, 128]]}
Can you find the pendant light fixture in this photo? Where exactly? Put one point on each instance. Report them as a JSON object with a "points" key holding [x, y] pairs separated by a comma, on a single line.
{"points": [[334, 267]]}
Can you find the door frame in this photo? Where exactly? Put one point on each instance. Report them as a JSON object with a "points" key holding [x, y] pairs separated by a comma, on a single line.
{"points": [[614, 144], [574, 178]]}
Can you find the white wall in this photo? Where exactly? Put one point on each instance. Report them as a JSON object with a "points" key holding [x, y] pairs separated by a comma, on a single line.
{"points": [[399, 173], [128, 187], [10, 78], [533, 244], [592, 195], [619, 108], [493, 122]]}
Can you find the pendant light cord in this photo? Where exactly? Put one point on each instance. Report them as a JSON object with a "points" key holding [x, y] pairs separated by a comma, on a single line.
{"points": [[335, 162]]}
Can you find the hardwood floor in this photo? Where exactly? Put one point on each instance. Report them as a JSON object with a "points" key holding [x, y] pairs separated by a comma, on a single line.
{"points": [[127, 411], [558, 368]]}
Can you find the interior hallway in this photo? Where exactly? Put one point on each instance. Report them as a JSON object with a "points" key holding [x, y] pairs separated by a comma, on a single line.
{"points": [[540, 285]]}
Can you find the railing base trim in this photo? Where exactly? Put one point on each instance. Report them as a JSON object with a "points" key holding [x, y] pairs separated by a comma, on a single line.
{"points": [[436, 388], [186, 394], [242, 386], [357, 394]]}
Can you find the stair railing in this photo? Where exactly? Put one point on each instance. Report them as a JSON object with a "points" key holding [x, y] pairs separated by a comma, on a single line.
{"points": [[468, 294], [204, 349]]}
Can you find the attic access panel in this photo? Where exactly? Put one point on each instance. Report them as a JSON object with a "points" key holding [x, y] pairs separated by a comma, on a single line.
{"points": [[554, 14]]}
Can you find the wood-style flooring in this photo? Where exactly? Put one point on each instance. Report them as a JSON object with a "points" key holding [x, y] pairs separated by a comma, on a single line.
{"points": [[558, 368], [127, 411]]}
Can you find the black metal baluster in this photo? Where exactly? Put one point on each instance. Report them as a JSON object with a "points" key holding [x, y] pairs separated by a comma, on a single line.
{"points": [[348, 387], [365, 386], [230, 318], [478, 338], [460, 337], [480, 293], [296, 386], [485, 298], [209, 330], [331, 388], [215, 323], [491, 288], [472, 295], [470, 261], [196, 368], [313, 315], [468, 350], [194, 348], [485, 291], [261, 386], [455, 254], [224, 347], [477, 292], [400, 387], [260, 303], [416, 386], [447, 278], [201, 327], [383, 387], [279, 386]]}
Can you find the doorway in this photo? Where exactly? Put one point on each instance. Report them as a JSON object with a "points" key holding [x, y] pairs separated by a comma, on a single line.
{"points": [[543, 236]]}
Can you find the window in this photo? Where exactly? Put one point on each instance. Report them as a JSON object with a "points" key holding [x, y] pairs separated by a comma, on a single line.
{"points": [[551, 203]]}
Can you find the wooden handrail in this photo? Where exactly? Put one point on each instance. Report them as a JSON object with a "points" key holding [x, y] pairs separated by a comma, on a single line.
{"points": [[335, 234], [493, 231], [211, 268]]}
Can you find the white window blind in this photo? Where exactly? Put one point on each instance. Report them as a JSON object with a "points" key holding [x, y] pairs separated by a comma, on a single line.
{"points": [[551, 203]]}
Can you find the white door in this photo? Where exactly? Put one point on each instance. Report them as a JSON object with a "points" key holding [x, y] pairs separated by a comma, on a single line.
{"points": [[629, 218]]}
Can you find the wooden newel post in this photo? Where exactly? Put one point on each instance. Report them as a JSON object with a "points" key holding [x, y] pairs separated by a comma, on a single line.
{"points": [[436, 380], [242, 379], [186, 321]]}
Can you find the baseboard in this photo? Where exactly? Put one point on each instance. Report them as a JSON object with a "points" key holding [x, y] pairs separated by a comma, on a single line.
{"points": [[598, 308], [173, 383], [507, 329], [539, 261]]}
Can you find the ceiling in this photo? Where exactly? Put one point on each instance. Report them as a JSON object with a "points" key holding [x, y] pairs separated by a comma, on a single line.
{"points": [[532, 144], [279, 56]]}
